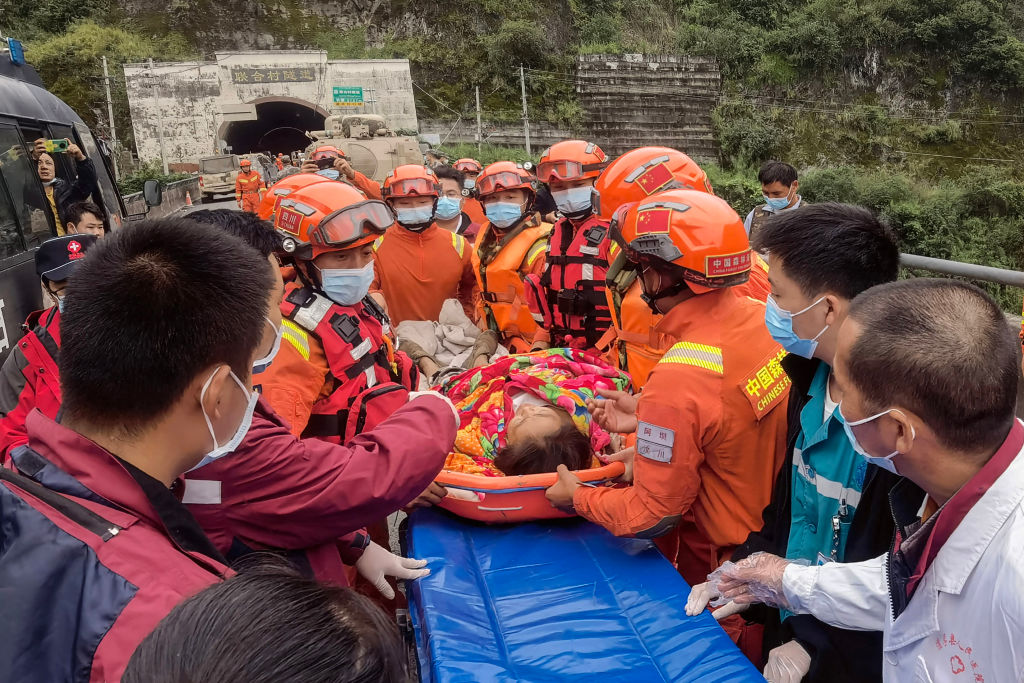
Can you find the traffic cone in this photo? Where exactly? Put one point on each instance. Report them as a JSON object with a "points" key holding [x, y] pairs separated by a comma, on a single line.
{"points": [[188, 199]]}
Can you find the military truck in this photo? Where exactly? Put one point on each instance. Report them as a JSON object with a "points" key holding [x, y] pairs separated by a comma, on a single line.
{"points": [[372, 148]]}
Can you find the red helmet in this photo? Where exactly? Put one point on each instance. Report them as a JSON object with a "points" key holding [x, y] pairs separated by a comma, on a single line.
{"points": [[245, 162], [639, 173], [504, 175], [571, 160], [468, 165], [692, 231], [326, 152], [282, 188], [324, 217], [411, 180]]}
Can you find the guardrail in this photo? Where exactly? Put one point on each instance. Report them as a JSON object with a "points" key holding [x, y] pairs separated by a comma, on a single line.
{"points": [[999, 276], [173, 198]]}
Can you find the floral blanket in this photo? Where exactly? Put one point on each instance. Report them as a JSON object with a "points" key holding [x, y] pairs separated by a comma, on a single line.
{"points": [[483, 397]]}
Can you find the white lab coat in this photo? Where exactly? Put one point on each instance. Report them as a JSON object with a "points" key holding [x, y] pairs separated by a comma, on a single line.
{"points": [[965, 622]]}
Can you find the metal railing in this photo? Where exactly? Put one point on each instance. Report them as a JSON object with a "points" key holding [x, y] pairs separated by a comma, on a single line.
{"points": [[1000, 276]]}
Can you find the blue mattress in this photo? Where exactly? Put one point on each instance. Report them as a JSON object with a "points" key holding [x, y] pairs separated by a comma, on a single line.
{"points": [[556, 601]]}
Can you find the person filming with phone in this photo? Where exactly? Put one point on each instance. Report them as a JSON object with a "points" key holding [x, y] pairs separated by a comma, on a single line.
{"points": [[60, 193]]}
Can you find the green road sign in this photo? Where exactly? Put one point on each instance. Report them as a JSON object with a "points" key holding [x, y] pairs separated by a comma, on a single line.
{"points": [[347, 97]]}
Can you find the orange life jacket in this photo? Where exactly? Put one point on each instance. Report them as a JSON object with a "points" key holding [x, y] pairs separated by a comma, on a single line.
{"points": [[502, 297]]}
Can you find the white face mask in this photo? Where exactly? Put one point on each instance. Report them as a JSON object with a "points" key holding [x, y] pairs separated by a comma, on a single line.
{"points": [[574, 200], [262, 364], [884, 462], [243, 426]]}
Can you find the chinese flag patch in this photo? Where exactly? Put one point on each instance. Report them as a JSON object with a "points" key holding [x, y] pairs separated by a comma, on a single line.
{"points": [[654, 178], [656, 220]]}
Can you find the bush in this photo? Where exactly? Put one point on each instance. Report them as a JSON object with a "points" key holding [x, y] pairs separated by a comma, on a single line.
{"points": [[133, 182]]}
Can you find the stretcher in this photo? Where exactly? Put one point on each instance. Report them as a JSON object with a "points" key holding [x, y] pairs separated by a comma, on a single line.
{"points": [[554, 601]]}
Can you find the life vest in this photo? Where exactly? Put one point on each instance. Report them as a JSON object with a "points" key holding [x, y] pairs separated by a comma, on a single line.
{"points": [[570, 295], [502, 297], [370, 381]]}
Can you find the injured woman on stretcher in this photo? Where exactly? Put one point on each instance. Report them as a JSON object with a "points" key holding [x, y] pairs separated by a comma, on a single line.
{"points": [[527, 414]]}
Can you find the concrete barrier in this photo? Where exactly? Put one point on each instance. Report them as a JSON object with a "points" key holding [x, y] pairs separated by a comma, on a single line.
{"points": [[174, 199]]}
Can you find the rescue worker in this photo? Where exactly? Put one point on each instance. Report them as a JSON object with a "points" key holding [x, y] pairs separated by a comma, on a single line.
{"points": [[568, 299], [29, 378], [471, 169], [155, 375], [928, 372], [779, 185], [451, 214], [340, 169], [307, 497], [282, 188], [710, 424], [419, 265], [249, 187], [636, 341], [510, 246], [338, 374], [279, 162], [828, 505]]}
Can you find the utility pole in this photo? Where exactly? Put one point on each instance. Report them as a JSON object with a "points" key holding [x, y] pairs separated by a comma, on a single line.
{"points": [[526, 114], [110, 116], [479, 127], [159, 117]]}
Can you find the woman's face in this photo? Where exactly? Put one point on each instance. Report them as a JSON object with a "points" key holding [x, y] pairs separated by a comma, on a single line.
{"points": [[534, 423]]}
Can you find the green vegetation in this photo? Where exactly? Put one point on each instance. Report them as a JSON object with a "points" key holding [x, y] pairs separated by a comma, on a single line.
{"points": [[133, 182]]}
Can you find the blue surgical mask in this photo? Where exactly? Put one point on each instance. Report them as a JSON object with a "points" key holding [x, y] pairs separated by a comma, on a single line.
{"points": [[330, 173], [504, 214], [220, 450], [469, 183], [416, 216], [777, 203], [575, 200], [885, 462], [60, 304], [780, 326], [448, 208], [262, 364], [347, 286]]}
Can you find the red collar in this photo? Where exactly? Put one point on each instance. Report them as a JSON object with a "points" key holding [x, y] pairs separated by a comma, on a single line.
{"points": [[956, 508], [90, 464]]}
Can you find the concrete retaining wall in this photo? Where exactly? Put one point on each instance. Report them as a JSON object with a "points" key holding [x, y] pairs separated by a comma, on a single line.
{"points": [[542, 133], [174, 199]]}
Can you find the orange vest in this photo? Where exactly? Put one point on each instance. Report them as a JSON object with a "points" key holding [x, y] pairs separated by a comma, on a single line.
{"points": [[502, 297]]}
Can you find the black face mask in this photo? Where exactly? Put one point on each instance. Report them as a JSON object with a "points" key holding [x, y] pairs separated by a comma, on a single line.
{"points": [[652, 298]]}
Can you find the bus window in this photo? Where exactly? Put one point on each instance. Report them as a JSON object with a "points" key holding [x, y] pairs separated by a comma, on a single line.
{"points": [[30, 205], [107, 197], [66, 166]]}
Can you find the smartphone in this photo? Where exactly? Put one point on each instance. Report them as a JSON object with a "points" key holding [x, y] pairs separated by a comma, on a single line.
{"points": [[56, 146], [324, 164]]}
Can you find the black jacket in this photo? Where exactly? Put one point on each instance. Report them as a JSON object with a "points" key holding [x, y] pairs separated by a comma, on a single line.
{"points": [[837, 655]]}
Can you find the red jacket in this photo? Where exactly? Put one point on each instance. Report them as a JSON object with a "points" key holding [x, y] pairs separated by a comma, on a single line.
{"points": [[29, 378], [277, 491], [85, 582]]}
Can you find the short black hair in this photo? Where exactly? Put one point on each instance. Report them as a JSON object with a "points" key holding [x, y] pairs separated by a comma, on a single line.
{"points": [[568, 446], [74, 212], [942, 349], [451, 173], [831, 247], [250, 228], [150, 307], [777, 172], [269, 625]]}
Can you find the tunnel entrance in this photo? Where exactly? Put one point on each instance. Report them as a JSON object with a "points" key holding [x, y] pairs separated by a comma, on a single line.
{"points": [[280, 126]]}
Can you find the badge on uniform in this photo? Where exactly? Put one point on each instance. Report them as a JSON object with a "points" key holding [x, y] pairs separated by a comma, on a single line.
{"points": [[654, 442]]}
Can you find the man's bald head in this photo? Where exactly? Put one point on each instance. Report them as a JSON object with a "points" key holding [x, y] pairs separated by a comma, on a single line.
{"points": [[942, 349]]}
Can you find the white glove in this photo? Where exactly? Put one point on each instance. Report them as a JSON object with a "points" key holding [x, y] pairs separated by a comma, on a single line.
{"points": [[377, 564], [455, 412], [788, 663], [702, 594]]}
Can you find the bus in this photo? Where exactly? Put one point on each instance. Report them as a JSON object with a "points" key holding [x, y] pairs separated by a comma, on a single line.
{"points": [[27, 113]]}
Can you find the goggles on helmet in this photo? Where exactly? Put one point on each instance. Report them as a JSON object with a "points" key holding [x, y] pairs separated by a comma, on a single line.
{"points": [[565, 170], [413, 186], [326, 154], [467, 167], [352, 223], [505, 180]]}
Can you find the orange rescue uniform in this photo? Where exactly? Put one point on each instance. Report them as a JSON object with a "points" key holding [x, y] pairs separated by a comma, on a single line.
{"points": [[711, 436], [417, 271], [369, 187], [475, 210], [249, 189], [500, 262]]}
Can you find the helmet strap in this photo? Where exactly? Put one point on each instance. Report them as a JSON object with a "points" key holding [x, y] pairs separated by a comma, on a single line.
{"points": [[652, 298]]}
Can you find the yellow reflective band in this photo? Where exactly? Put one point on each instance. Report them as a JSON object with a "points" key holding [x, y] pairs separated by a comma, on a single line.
{"points": [[295, 336], [377, 242], [613, 249], [535, 250], [698, 355], [761, 262], [458, 241]]}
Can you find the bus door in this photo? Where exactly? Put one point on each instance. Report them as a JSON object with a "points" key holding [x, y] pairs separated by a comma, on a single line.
{"points": [[109, 198]]}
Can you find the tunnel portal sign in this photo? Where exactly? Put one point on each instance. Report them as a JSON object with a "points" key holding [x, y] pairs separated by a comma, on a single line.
{"points": [[347, 97], [275, 75]]}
